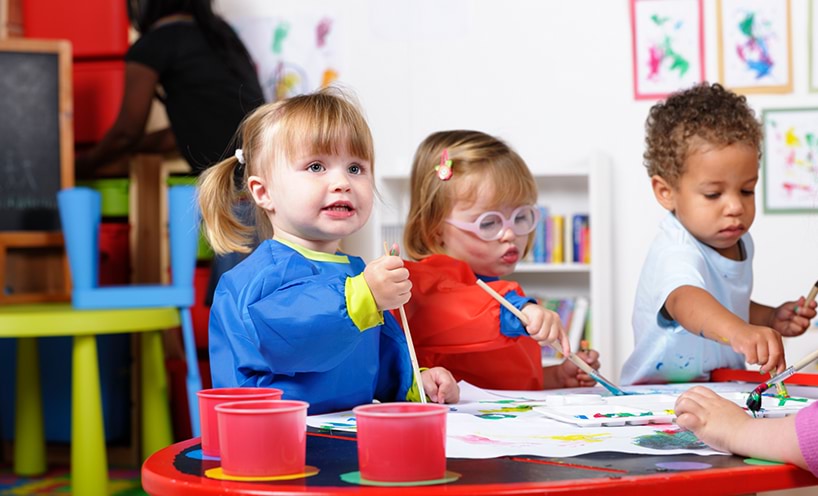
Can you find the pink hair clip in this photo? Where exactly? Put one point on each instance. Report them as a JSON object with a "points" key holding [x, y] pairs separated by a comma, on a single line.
{"points": [[444, 170]]}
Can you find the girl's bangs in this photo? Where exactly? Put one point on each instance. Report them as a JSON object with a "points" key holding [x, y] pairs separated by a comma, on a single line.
{"points": [[325, 133]]}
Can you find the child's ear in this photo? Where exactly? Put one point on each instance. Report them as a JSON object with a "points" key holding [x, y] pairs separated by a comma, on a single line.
{"points": [[663, 192], [260, 193]]}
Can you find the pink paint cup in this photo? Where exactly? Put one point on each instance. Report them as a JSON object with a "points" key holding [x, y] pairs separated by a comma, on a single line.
{"points": [[209, 398], [401, 442], [263, 438]]}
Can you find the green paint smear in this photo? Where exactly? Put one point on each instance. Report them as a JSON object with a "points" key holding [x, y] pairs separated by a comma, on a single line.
{"points": [[670, 441], [355, 478], [756, 461]]}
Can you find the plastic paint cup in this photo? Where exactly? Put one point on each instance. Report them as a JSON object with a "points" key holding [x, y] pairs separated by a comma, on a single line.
{"points": [[263, 438], [209, 398], [401, 442]]}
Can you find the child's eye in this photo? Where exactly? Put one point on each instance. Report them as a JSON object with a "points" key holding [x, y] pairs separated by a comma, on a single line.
{"points": [[712, 196], [748, 192], [488, 224], [315, 167], [356, 169]]}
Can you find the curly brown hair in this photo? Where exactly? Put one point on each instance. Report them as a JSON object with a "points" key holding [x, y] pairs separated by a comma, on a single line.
{"points": [[703, 114]]}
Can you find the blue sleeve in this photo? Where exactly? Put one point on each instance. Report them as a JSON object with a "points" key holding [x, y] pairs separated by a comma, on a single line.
{"points": [[510, 325], [395, 376], [304, 326], [235, 359]]}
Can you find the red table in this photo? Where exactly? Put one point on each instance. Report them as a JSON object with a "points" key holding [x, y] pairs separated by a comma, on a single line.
{"points": [[173, 472]]}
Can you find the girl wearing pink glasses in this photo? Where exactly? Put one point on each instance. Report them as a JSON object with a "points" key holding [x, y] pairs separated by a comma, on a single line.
{"points": [[471, 216]]}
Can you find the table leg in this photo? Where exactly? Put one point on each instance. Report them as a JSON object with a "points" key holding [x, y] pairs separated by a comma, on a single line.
{"points": [[156, 428], [29, 438], [89, 463]]}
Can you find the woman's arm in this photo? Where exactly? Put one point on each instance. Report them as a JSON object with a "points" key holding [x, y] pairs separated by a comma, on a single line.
{"points": [[129, 127]]}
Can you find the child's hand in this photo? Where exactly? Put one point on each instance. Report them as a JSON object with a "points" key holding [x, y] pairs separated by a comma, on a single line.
{"points": [[713, 419], [570, 376], [389, 282], [793, 317], [545, 326], [440, 386], [760, 345]]}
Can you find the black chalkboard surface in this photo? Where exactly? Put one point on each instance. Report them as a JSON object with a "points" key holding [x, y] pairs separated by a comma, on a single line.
{"points": [[36, 144]]}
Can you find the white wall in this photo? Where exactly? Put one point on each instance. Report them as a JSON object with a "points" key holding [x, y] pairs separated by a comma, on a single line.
{"points": [[554, 80]]}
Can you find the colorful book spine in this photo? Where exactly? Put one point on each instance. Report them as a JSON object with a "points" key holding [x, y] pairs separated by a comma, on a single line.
{"points": [[558, 239], [579, 228], [540, 236]]}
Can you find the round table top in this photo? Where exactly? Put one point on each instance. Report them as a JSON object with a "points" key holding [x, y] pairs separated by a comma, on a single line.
{"points": [[181, 469], [61, 319]]}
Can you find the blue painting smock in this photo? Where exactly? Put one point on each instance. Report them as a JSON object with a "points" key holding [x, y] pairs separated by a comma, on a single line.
{"points": [[306, 322], [664, 351]]}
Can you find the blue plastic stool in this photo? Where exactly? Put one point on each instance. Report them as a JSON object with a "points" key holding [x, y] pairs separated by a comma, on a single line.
{"points": [[80, 214]]}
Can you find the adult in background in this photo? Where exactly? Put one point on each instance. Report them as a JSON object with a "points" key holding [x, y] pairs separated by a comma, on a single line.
{"points": [[197, 66]]}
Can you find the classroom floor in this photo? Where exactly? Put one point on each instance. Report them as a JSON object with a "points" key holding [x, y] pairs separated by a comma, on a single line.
{"points": [[122, 482]]}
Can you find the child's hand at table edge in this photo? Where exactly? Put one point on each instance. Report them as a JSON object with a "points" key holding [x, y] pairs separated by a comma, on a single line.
{"points": [[713, 419], [793, 317], [544, 326], [388, 280], [440, 386], [571, 376]]}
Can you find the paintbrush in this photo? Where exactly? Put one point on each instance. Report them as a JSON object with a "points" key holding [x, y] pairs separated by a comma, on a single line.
{"points": [[813, 292], [754, 399], [405, 322], [579, 362]]}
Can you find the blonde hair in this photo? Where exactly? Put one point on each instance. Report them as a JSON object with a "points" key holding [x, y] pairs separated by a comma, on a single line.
{"points": [[474, 155], [325, 122]]}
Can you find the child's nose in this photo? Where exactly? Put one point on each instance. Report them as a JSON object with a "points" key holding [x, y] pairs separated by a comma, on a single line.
{"points": [[339, 182], [507, 234], [734, 206]]}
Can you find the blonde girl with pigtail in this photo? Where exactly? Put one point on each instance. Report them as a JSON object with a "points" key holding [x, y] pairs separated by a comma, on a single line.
{"points": [[472, 216], [297, 313]]}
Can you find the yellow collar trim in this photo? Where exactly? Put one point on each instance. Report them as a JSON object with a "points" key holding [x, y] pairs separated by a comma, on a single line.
{"points": [[318, 256]]}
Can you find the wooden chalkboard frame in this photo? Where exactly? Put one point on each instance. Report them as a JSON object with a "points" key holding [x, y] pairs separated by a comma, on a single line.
{"points": [[41, 250]]}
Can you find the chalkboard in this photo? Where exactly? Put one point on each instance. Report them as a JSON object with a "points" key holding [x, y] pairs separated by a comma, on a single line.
{"points": [[36, 139]]}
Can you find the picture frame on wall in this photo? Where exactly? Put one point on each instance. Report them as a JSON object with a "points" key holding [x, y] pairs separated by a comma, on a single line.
{"points": [[668, 46], [755, 45], [790, 160]]}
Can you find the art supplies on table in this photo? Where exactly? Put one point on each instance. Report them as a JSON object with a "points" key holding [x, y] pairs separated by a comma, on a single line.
{"points": [[754, 399], [593, 410]]}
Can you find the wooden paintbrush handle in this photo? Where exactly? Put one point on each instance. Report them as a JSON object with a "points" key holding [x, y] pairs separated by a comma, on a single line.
{"points": [[806, 360]]}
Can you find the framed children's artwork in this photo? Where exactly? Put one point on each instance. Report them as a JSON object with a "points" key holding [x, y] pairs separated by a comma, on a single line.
{"points": [[668, 46], [790, 160], [813, 47], [754, 45]]}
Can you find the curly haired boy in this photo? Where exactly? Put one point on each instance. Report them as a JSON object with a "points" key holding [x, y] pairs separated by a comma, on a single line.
{"points": [[693, 313]]}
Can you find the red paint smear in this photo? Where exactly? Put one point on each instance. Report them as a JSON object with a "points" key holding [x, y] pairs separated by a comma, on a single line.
{"points": [[571, 465]]}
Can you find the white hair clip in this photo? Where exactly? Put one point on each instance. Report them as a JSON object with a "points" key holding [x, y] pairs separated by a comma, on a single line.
{"points": [[240, 156]]}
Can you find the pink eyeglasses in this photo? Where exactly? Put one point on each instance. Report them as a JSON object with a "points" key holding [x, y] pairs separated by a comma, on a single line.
{"points": [[491, 225]]}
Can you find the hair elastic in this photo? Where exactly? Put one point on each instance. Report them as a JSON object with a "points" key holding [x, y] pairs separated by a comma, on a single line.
{"points": [[239, 154], [444, 170]]}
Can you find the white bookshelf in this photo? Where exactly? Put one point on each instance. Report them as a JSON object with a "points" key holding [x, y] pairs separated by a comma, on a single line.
{"points": [[578, 187]]}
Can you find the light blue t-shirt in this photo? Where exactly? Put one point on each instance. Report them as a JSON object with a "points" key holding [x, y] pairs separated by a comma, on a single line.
{"points": [[664, 351]]}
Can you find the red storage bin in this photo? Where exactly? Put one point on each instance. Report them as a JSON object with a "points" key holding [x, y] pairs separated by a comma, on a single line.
{"points": [[96, 28], [200, 314], [98, 90], [114, 253]]}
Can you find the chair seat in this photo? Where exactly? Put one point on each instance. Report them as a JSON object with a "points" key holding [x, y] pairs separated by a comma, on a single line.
{"points": [[133, 296], [62, 319]]}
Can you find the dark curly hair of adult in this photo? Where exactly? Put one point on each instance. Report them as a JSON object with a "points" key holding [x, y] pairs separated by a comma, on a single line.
{"points": [[705, 114]]}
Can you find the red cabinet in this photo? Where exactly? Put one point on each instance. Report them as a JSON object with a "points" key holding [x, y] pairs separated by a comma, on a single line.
{"points": [[96, 28]]}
